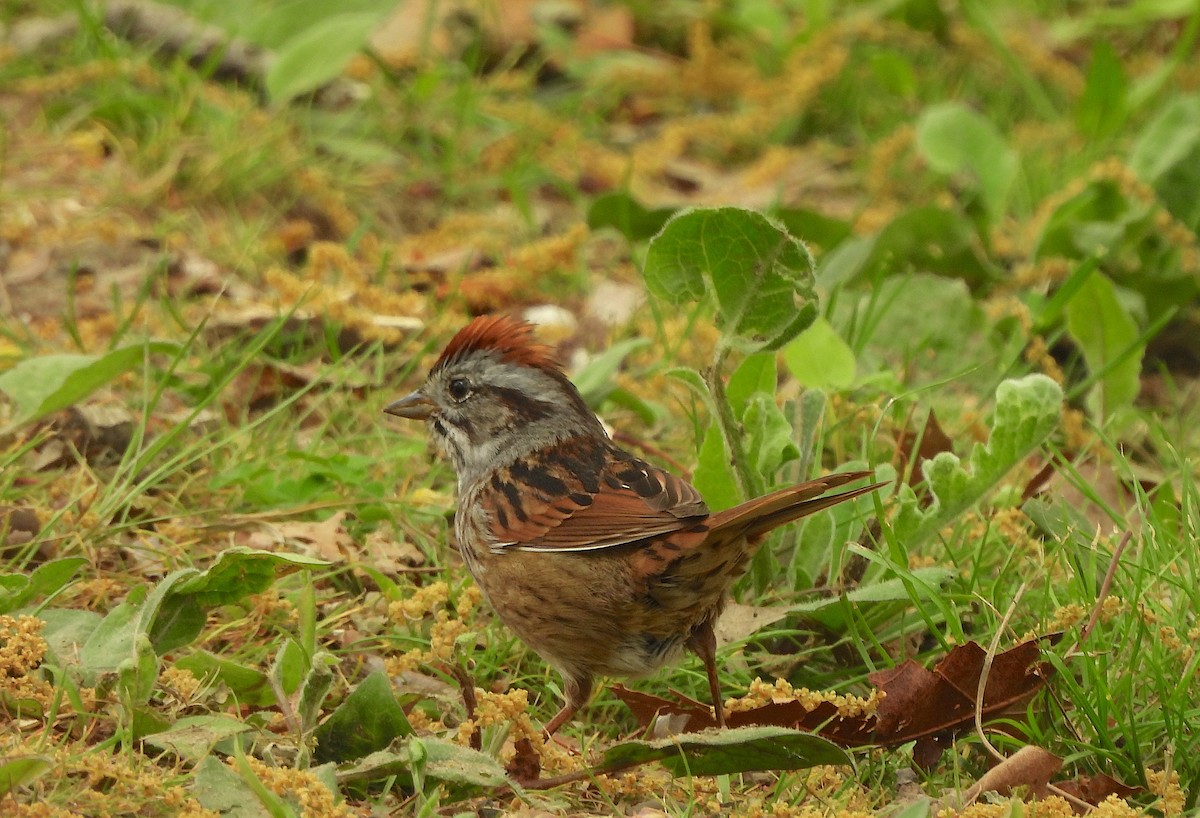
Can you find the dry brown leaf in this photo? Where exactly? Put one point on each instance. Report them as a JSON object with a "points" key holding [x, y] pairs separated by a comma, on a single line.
{"points": [[1029, 767], [99, 431], [526, 763], [740, 621], [18, 526], [922, 705], [391, 556], [1095, 788], [929, 705], [327, 540]]}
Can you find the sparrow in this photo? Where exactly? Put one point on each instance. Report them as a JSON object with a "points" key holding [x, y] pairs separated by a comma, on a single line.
{"points": [[602, 563]]}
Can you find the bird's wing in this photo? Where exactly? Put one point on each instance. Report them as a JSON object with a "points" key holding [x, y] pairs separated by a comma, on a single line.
{"points": [[585, 494]]}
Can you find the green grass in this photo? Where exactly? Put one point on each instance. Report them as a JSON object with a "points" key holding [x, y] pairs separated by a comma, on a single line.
{"points": [[320, 220]]}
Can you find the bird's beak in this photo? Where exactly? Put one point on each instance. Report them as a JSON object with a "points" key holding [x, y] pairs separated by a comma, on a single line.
{"points": [[414, 407]]}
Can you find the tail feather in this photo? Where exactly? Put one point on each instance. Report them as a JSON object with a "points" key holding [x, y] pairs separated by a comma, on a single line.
{"points": [[757, 517]]}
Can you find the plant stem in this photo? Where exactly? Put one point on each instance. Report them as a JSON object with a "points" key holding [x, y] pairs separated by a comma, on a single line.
{"points": [[748, 481]]}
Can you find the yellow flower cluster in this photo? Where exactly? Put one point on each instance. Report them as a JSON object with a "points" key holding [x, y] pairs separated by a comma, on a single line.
{"points": [[22, 650], [780, 690], [313, 797]]}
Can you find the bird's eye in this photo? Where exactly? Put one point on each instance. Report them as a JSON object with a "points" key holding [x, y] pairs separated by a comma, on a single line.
{"points": [[460, 388]]}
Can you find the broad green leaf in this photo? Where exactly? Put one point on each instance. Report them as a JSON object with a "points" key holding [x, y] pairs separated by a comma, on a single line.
{"points": [[177, 607], [66, 632], [769, 443], [48, 383], [22, 770], [171, 619], [760, 277], [888, 590], [367, 721], [249, 685], [818, 358], [744, 749], [755, 375], [18, 590], [218, 787], [111, 642], [1169, 138], [621, 211], [239, 572], [952, 138], [273, 26], [438, 759], [288, 669], [192, 738], [1104, 105], [1027, 411], [1105, 332], [137, 674], [714, 477], [318, 54]]}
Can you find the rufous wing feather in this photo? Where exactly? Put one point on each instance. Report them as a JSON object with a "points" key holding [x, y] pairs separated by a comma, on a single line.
{"points": [[594, 497]]}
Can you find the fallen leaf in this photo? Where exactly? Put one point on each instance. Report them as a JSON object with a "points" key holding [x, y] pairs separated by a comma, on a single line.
{"points": [[919, 704], [1095, 788], [526, 764], [18, 526], [739, 622], [327, 540], [389, 555], [924, 704], [1030, 767]]}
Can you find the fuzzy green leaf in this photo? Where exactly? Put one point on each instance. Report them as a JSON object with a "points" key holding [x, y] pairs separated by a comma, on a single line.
{"points": [[769, 443], [193, 737], [367, 721], [48, 383], [438, 759], [953, 138], [1027, 411], [760, 277], [713, 476], [1106, 334], [177, 607], [755, 374], [21, 770], [819, 358], [18, 590], [318, 54], [219, 788], [250, 685]]}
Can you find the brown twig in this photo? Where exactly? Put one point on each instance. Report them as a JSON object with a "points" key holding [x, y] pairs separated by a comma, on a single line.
{"points": [[1105, 586], [467, 685]]}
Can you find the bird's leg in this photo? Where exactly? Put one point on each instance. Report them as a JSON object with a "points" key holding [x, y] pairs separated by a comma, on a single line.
{"points": [[703, 643], [578, 690]]}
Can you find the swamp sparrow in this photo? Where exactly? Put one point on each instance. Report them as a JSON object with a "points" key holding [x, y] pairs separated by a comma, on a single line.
{"points": [[602, 563]]}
